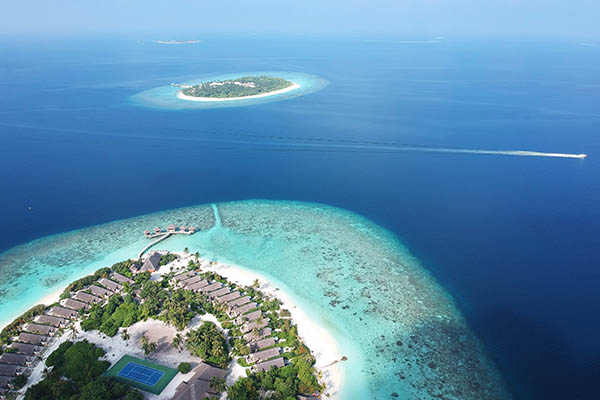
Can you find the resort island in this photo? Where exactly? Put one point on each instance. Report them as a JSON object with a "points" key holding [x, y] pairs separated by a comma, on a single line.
{"points": [[235, 89], [163, 326]]}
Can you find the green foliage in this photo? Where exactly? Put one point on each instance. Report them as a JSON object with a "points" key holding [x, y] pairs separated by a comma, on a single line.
{"points": [[118, 312], [167, 258], [12, 329], [177, 309], [243, 389], [142, 277], [19, 381], [222, 89], [184, 367], [209, 343], [85, 282], [123, 267]]}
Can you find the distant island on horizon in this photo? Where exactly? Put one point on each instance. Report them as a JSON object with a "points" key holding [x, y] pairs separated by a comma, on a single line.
{"points": [[244, 87], [177, 41]]}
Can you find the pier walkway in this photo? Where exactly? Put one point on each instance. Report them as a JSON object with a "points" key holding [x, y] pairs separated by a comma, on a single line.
{"points": [[160, 239]]}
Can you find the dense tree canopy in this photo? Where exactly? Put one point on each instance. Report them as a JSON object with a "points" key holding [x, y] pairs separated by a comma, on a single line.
{"points": [[239, 87]]}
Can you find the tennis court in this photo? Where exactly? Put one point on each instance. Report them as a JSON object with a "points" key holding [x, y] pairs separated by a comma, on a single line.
{"points": [[142, 374]]}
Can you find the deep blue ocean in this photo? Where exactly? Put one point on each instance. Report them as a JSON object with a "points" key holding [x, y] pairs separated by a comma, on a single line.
{"points": [[514, 239]]}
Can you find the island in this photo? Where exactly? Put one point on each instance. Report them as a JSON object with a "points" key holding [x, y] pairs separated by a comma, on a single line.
{"points": [[164, 324], [177, 41], [235, 89]]}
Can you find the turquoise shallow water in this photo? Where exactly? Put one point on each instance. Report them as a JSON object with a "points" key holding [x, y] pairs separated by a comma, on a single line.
{"points": [[165, 97], [400, 330]]}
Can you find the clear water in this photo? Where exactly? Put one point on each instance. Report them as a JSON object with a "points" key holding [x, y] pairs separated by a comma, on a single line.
{"points": [[400, 331], [512, 239]]}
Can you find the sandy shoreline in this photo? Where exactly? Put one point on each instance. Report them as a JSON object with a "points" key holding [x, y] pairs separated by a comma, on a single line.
{"points": [[182, 96], [317, 338]]}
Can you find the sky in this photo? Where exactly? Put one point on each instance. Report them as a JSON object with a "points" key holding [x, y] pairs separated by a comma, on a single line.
{"points": [[554, 18]]}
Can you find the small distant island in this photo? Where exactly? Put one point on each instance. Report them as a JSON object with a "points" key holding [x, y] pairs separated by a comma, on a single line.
{"points": [[177, 41], [235, 89]]}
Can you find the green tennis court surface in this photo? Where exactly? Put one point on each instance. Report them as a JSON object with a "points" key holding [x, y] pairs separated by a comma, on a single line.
{"points": [[142, 374]]}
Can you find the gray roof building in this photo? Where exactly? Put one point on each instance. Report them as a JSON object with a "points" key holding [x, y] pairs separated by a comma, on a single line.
{"points": [[211, 287], [15, 359], [10, 370], [257, 324], [219, 292], [62, 312], [100, 291], [39, 329], [198, 387], [238, 302], [263, 333], [33, 339], [87, 298], [50, 320], [261, 344], [267, 365], [5, 381], [242, 309], [229, 297], [264, 354], [184, 276], [196, 286], [111, 285], [74, 304], [189, 281], [115, 276], [249, 317], [152, 263], [24, 348]]}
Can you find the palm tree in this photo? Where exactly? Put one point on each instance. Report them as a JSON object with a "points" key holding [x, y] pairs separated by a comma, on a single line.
{"points": [[197, 256], [177, 342], [186, 250], [125, 335], [73, 333], [218, 384]]}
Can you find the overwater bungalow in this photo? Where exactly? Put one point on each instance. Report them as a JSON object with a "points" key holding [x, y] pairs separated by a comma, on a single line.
{"points": [[115, 276], [15, 359], [191, 229], [111, 285], [189, 281], [62, 312], [229, 297], [264, 355], [183, 228], [267, 365], [211, 288], [248, 317], [220, 292], [39, 329], [100, 291], [87, 298], [198, 285], [171, 228], [259, 323], [236, 311], [198, 386], [147, 233], [10, 370], [157, 230], [50, 320], [152, 263], [261, 344], [238, 302], [253, 336], [24, 348], [38, 340]]}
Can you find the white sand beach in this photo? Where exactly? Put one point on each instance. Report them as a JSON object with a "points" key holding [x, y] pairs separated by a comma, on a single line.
{"points": [[317, 338], [182, 96]]}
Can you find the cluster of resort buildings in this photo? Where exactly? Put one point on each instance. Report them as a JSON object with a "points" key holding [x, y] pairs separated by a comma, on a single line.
{"points": [[253, 324], [26, 349]]}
